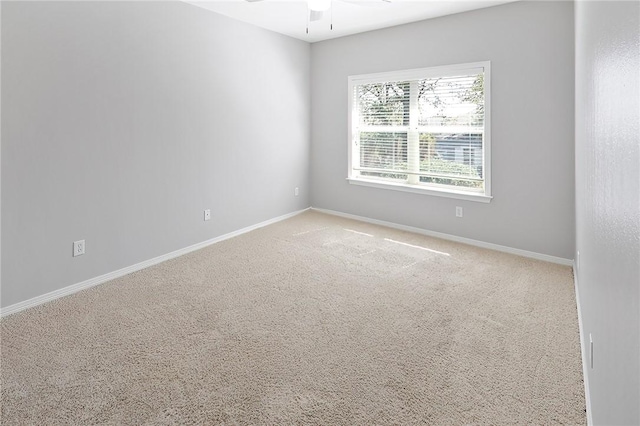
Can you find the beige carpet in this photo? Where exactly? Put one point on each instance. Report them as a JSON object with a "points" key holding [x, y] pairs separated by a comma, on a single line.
{"points": [[314, 320]]}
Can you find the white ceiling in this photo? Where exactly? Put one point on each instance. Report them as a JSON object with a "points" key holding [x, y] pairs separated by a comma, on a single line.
{"points": [[289, 17]]}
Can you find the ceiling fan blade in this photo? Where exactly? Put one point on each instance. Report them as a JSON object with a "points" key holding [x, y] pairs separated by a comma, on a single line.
{"points": [[315, 15]]}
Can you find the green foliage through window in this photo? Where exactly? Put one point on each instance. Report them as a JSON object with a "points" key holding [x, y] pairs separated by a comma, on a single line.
{"points": [[422, 131]]}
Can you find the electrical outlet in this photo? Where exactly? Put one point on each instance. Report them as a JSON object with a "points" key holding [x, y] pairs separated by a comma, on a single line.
{"points": [[458, 211], [207, 214], [78, 248], [590, 350], [296, 191]]}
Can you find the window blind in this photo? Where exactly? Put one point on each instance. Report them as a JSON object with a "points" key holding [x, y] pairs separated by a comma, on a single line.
{"points": [[425, 130]]}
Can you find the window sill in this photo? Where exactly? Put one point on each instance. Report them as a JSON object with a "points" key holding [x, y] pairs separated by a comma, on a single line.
{"points": [[481, 198]]}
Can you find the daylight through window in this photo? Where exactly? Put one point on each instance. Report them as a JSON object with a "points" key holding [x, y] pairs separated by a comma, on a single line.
{"points": [[422, 130]]}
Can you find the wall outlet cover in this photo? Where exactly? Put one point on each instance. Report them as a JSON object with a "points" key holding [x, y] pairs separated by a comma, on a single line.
{"points": [[78, 248], [590, 350]]}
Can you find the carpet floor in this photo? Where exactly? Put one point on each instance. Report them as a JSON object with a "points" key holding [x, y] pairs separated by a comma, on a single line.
{"points": [[312, 320]]}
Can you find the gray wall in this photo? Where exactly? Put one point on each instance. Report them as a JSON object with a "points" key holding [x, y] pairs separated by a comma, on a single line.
{"points": [[530, 46], [608, 203], [124, 121]]}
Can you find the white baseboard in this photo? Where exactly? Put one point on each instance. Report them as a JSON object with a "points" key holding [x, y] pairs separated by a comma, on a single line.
{"points": [[497, 247], [74, 288], [583, 349], [38, 300]]}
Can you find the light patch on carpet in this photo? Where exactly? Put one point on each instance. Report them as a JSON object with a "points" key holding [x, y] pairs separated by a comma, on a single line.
{"points": [[418, 247], [358, 232], [308, 232]]}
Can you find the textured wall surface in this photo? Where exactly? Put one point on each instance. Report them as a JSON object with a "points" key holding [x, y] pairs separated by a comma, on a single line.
{"points": [[608, 203], [123, 121], [530, 46]]}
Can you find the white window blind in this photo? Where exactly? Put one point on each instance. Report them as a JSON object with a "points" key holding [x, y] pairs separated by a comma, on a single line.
{"points": [[423, 128]]}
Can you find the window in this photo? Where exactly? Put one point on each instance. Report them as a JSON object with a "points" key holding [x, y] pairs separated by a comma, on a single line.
{"points": [[424, 130]]}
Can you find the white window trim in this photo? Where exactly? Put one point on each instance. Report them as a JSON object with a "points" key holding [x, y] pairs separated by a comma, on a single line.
{"points": [[439, 71]]}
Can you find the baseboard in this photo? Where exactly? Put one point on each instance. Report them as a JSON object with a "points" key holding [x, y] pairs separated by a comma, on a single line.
{"points": [[583, 350], [74, 288], [497, 247]]}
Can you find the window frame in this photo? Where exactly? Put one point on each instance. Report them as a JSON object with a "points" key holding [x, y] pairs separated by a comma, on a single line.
{"points": [[413, 74]]}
